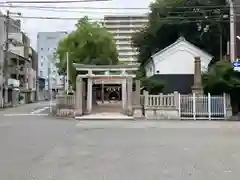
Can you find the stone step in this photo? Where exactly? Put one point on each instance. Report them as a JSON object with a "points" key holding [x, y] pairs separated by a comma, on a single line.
{"points": [[104, 116]]}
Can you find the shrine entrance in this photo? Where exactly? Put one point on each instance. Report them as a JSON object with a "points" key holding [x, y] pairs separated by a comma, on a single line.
{"points": [[108, 94], [104, 88]]}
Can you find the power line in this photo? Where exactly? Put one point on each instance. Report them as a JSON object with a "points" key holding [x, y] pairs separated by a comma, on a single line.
{"points": [[170, 18], [67, 8], [74, 11], [13, 4], [50, 2]]}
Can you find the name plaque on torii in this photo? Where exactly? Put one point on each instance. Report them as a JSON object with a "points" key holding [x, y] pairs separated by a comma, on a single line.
{"points": [[107, 80]]}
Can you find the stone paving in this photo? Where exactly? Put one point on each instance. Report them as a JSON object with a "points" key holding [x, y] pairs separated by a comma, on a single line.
{"points": [[168, 150]]}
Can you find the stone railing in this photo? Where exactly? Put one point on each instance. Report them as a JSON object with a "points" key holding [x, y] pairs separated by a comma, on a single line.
{"points": [[159, 106], [65, 105]]}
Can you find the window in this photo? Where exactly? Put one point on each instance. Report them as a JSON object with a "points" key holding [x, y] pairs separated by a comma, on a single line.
{"points": [[41, 63], [41, 57], [41, 73], [41, 48]]}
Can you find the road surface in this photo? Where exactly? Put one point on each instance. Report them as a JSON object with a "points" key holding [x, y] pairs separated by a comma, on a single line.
{"points": [[44, 148]]}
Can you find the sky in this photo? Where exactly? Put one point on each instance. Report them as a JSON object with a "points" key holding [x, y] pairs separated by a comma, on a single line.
{"points": [[32, 26]]}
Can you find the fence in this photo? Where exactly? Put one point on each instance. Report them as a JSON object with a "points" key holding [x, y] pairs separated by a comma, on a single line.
{"points": [[190, 106], [202, 107], [158, 101], [65, 102]]}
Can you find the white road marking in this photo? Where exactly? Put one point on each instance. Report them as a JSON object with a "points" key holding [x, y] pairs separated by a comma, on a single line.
{"points": [[10, 115], [39, 110]]}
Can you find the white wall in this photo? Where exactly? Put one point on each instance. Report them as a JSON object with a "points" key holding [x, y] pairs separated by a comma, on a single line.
{"points": [[178, 60], [181, 62]]}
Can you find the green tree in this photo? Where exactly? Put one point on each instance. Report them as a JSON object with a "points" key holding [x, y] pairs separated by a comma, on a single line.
{"points": [[90, 43], [196, 20], [152, 85], [222, 78]]}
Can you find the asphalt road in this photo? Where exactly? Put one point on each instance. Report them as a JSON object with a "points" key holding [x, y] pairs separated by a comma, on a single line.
{"points": [[43, 148]]}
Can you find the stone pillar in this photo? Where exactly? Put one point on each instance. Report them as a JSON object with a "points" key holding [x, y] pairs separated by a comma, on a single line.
{"points": [[137, 106], [137, 93], [124, 95], [197, 84], [89, 95], [129, 95], [79, 97]]}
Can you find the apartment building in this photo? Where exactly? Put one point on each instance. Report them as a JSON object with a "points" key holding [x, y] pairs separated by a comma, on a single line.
{"points": [[22, 67], [122, 27], [47, 43], [14, 27]]}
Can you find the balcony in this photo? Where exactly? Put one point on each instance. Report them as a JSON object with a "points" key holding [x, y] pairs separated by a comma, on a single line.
{"points": [[126, 48], [17, 37], [18, 50], [122, 31], [128, 38], [127, 53], [119, 26], [122, 42], [17, 70]]}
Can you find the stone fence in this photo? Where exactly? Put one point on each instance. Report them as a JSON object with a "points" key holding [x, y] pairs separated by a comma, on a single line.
{"points": [[164, 106], [65, 105], [182, 106]]}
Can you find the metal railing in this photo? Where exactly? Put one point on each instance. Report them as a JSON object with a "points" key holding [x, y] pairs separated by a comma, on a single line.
{"points": [[202, 107]]}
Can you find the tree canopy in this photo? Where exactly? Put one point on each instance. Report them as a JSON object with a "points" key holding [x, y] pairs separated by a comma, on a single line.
{"points": [[200, 22], [220, 78], [90, 43]]}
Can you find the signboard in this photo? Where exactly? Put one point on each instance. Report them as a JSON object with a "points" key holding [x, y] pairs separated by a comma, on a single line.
{"points": [[236, 65], [107, 80]]}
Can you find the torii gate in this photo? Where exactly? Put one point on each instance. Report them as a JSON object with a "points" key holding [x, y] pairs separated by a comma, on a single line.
{"points": [[123, 78]]}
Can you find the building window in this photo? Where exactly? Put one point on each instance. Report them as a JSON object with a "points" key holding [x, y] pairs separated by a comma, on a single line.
{"points": [[41, 73], [41, 48], [41, 63]]}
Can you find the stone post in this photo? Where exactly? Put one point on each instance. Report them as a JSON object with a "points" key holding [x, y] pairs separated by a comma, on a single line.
{"points": [[89, 95], [124, 95], [129, 95], [137, 108], [197, 80], [79, 97], [137, 93]]}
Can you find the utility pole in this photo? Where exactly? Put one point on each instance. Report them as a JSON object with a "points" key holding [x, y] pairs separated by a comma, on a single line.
{"points": [[6, 59], [232, 31], [50, 85], [67, 72]]}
